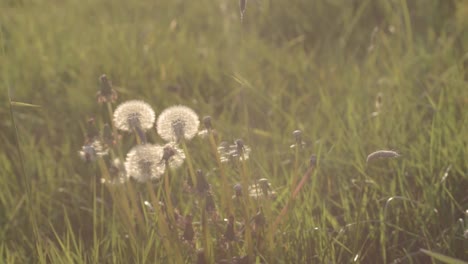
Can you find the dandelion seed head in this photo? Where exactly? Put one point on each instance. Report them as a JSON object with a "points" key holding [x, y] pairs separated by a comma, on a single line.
{"points": [[239, 143], [134, 114], [255, 191], [106, 92], [87, 153], [238, 190], [313, 160], [143, 162], [239, 151], [297, 135], [264, 183], [261, 189], [173, 155], [203, 133], [177, 122], [93, 150]]}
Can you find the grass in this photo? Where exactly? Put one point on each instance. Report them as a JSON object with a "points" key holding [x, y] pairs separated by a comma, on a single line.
{"points": [[317, 66]]}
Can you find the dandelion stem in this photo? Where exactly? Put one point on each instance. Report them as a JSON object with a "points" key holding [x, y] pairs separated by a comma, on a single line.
{"points": [[140, 135], [134, 212], [296, 168], [247, 206], [114, 129], [170, 208], [206, 234], [167, 243], [189, 163]]}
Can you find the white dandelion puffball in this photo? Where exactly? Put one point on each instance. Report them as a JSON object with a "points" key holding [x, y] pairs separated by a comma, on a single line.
{"points": [[177, 122], [134, 114], [144, 162]]}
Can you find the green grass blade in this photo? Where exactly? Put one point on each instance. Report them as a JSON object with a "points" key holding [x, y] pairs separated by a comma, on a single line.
{"points": [[443, 258]]}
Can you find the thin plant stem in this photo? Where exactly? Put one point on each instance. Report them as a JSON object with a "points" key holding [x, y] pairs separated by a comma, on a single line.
{"points": [[122, 200], [208, 245], [114, 129], [247, 206], [172, 249], [226, 201], [292, 198], [296, 168], [95, 222], [26, 185], [167, 193]]}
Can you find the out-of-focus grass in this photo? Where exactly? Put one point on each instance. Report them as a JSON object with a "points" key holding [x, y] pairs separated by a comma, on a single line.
{"points": [[311, 65]]}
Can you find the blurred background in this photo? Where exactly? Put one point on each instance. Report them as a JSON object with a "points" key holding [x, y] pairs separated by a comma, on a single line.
{"points": [[317, 66]]}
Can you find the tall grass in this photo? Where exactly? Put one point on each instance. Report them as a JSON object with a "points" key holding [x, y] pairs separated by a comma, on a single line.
{"points": [[316, 66]]}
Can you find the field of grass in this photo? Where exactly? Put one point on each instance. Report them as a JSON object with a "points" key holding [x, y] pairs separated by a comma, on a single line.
{"points": [[353, 76]]}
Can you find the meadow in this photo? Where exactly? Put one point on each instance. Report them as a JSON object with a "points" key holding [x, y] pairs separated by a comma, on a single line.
{"points": [[306, 89]]}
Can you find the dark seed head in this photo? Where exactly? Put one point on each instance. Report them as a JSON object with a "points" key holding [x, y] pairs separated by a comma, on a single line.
{"points": [[230, 235], [189, 233], [238, 189], [201, 256], [259, 218], [313, 160], [106, 92], [239, 143], [210, 205], [106, 85], [207, 122], [297, 136], [168, 152], [202, 184]]}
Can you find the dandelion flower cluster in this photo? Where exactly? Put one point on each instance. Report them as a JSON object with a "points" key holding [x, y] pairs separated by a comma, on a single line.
{"points": [[177, 122], [134, 114], [143, 162]]}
